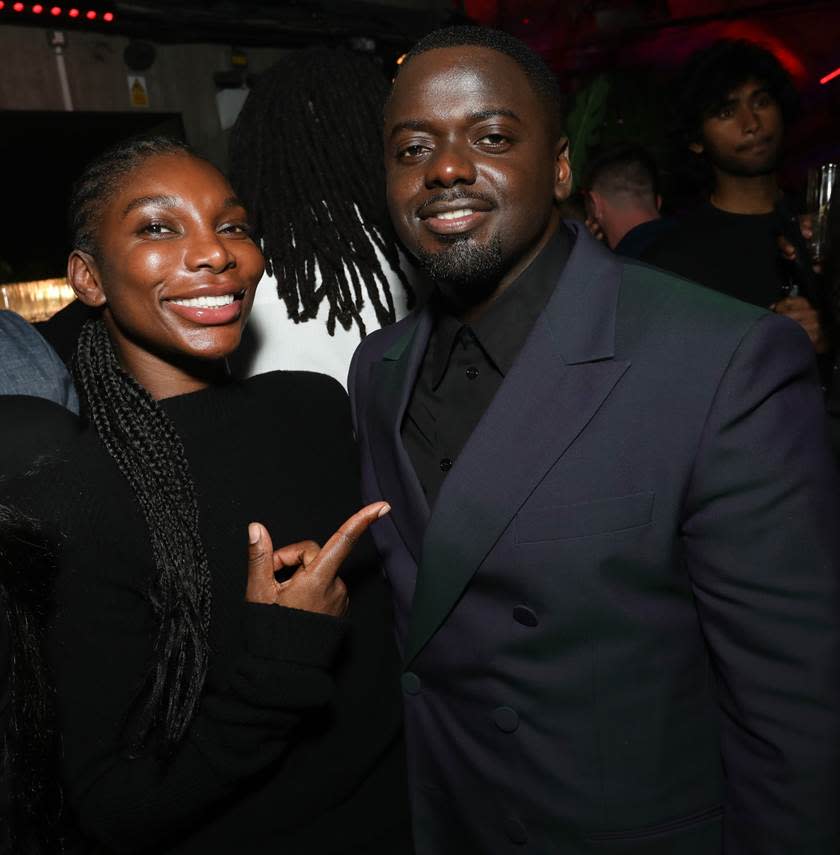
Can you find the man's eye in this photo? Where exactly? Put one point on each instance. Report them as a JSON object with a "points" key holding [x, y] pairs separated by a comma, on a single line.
{"points": [[725, 113], [236, 229], [494, 139]]}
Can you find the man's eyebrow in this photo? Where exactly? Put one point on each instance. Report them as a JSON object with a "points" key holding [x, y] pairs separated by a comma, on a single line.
{"points": [[141, 201], [233, 202], [492, 113], [480, 115]]}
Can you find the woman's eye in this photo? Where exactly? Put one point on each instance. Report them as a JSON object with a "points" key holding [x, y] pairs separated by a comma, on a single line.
{"points": [[411, 151], [156, 229]]}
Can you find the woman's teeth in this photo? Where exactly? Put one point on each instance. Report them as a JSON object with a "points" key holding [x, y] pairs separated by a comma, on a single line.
{"points": [[206, 302], [454, 215]]}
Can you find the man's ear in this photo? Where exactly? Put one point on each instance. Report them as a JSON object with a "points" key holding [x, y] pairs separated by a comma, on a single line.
{"points": [[562, 170], [595, 204], [658, 201], [84, 278], [696, 147]]}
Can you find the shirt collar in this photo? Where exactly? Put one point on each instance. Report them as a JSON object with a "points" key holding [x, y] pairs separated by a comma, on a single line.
{"points": [[502, 329]]}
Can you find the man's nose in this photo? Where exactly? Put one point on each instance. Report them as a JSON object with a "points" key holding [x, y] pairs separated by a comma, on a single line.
{"points": [[450, 164], [750, 119], [207, 249]]}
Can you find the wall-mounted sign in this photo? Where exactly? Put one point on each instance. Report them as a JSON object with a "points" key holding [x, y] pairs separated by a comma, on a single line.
{"points": [[138, 95]]}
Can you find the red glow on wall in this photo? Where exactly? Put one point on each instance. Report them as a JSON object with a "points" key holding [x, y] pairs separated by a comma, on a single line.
{"points": [[37, 9], [55, 11], [18, 7], [108, 16], [73, 13], [830, 76], [90, 15]]}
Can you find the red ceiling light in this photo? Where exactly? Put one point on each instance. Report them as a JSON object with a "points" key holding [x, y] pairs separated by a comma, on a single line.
{"points": [[18, 7], [2, 5], [90, 15], [55, 11], [73, 13], [108, 16], [37, 9], [830, 76]]}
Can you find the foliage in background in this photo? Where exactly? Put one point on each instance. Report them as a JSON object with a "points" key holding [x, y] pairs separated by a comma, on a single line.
{"points": [[585, 122]]}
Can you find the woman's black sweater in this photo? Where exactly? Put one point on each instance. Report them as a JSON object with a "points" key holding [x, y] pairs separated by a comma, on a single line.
{"points": [[296, 745]]}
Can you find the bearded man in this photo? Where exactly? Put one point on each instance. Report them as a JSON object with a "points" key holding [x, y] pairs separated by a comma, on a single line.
{"points": [[616, 593]]}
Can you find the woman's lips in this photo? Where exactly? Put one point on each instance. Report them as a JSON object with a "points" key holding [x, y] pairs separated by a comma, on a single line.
{"points": [[209, 311]]}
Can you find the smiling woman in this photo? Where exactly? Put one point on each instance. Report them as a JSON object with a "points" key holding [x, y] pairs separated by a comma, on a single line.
{"points": [[214, 693]]}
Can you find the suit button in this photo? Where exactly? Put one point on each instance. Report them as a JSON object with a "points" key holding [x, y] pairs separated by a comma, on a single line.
{"points": [[472, 372], [446, 464], [525, 616], [411, 683], [506, 719], [515, 831]]}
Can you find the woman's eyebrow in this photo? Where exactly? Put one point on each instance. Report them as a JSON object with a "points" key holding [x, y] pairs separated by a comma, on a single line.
{"points": [[140, 201]]}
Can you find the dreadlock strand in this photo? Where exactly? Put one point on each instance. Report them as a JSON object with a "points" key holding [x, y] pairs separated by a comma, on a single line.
{"points": [[320, 209]]}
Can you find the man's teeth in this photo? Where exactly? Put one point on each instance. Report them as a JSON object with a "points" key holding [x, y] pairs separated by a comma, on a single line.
{"points": [[206, 302], [454, 215]]}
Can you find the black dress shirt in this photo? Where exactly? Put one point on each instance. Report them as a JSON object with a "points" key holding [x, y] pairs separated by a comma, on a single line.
{"points": [[465, 364]]}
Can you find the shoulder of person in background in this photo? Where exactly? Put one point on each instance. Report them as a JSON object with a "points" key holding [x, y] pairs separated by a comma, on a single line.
{"points": [[29, 366], [62, 330]]}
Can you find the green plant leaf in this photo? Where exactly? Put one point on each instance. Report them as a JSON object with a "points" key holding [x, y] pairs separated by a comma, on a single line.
{"points": [[585, 121]]}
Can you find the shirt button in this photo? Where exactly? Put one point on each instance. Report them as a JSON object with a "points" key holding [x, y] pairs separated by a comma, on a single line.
{"points": [[515, 831], [525, 616], [445, 464], [506, 719], [472, 372], [410, 683]]}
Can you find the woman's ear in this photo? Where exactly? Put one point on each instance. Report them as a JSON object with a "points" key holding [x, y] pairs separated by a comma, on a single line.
{"points": [[84, 278]]}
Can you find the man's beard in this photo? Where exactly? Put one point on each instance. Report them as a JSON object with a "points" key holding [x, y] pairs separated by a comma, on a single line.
{"points": [[464, 269]]}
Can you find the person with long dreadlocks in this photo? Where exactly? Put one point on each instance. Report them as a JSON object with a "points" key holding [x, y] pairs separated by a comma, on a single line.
{"points": [[306, 159], [214, 694]]}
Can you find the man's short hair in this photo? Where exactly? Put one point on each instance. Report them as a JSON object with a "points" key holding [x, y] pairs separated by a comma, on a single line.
{"points": [[625, 170], [712, 73], [540, 76]]}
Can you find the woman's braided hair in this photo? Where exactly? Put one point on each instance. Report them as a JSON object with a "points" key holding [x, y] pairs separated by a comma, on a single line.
{"points": [[306, 159], [28, 748], [144, 444]]}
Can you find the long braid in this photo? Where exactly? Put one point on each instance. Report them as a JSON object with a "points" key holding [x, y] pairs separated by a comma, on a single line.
{"points": [[143, 443], [306, 159], [28, 749]]}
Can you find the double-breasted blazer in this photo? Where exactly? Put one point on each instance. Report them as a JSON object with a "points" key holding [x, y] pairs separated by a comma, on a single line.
{"points": [[620, 622]]}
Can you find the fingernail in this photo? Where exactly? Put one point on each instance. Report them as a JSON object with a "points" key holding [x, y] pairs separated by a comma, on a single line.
{"points": [[383, 510], [253, 533]]}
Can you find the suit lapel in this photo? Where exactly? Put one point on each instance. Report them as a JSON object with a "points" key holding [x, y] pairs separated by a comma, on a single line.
{"points": [[561, 377], [392, 382]]}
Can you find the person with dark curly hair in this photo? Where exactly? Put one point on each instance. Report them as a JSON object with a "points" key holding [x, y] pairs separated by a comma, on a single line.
{"points": [[214, 693], [731, 105]]}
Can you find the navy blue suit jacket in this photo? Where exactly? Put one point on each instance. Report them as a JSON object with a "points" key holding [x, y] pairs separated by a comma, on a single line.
{"points": [[621, 622]]}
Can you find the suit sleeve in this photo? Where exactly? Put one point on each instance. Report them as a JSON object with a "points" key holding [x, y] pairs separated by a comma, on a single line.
{"points": [[762, 550]]}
